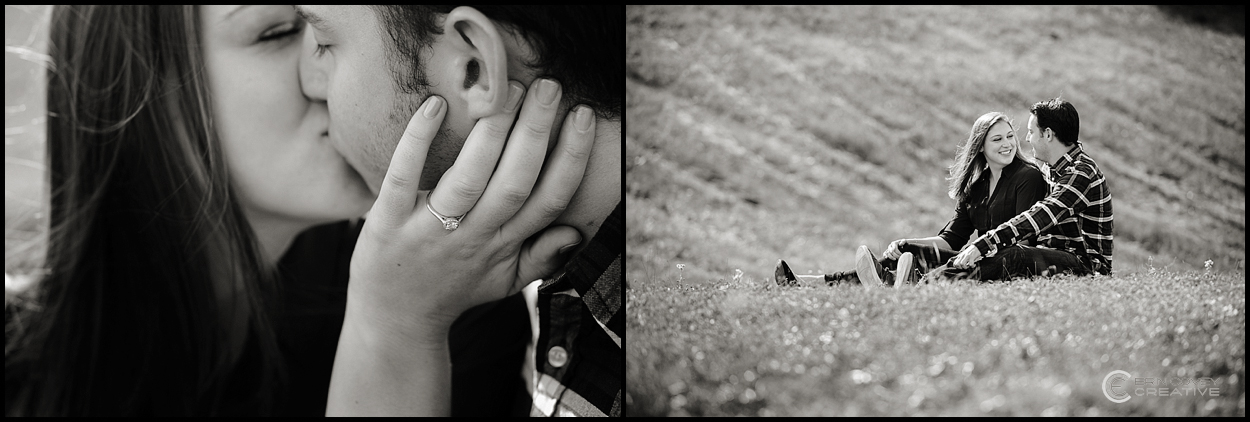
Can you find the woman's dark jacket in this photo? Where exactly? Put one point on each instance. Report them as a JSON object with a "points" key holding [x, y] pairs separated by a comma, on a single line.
{"points": [[1019, 187]]}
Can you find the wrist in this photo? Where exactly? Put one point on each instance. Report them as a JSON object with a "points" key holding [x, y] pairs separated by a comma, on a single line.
{"points": [[982, 246], [376, 373], [377, 330]]}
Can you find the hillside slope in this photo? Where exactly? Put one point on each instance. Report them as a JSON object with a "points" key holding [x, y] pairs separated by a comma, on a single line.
{"points": [[802, 132]]}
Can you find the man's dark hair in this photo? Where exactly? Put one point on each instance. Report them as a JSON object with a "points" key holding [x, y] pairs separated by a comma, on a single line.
{"points": [[1060, 116], [580, 46]]}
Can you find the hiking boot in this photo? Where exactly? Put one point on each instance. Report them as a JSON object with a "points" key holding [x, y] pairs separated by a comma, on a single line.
{"points": [[906, 273], [783, 275], [844, 277], [870, 272]]}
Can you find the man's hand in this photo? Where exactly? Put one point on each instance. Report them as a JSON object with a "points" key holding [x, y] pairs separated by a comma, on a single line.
{"points": [[894, 249], [967, 257]]}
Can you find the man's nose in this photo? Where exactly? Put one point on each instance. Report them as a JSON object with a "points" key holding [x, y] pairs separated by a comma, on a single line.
{"points": [[312, 74]]}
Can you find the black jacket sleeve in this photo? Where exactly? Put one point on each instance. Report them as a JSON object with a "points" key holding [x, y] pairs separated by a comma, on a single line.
{"points": [[959, 229]]}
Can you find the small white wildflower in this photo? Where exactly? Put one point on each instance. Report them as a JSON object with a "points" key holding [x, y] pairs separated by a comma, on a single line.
{"points": [[1209, 264]]}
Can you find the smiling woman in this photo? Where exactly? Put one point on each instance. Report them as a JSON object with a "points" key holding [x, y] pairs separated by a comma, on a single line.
{"points": [[990, 179]]}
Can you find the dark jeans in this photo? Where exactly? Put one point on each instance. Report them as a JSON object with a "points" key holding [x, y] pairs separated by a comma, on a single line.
{"points": [[1017, 261]]}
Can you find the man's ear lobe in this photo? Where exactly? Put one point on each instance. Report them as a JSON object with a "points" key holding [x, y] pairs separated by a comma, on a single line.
{"points": [[479, 59]]}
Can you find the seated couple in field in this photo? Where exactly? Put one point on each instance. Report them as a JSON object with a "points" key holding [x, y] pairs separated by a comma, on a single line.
{"points": [[1026, 226]]}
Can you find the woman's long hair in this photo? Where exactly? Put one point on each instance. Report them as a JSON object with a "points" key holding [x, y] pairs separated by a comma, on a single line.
{"points": [[148, 250], [970, 162]]}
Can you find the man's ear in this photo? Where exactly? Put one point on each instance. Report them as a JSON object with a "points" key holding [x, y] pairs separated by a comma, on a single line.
{"points": [[478, 59]]}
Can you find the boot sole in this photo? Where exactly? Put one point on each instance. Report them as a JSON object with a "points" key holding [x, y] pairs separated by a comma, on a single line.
{"points": [[783, 276], [867, 267]]}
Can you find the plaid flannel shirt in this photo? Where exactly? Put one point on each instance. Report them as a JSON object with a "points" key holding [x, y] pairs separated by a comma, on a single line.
{"points": [[1075, 217], [579, 360]]}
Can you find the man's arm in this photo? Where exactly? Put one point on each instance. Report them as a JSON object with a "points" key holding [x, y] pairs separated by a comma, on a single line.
{"points": [[1065, 199]]}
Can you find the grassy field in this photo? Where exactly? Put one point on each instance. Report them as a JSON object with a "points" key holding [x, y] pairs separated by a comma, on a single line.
{"points": [[756, 133], [1029, 347]]}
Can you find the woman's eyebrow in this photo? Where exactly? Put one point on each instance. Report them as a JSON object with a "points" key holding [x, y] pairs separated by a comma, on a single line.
{"points": [[236, 10]]}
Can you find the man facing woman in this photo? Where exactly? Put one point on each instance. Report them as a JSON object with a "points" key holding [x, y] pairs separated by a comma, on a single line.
{"points": [[1072, 226], [991, 181]]}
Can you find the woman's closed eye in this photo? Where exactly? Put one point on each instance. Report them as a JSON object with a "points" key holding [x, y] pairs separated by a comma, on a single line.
{"points": [[282, 31]]}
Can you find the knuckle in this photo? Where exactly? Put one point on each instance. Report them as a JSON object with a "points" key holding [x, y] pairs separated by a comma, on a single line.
{"points": [[494, 130], [552, 208], [574, 151], [508, 247], [513, 194], [465, 252], [465, 189], [400, 180], [538, 128], [416, 134]]}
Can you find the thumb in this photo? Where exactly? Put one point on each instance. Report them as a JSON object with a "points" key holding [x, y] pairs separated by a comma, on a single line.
{"points": [[545, 252]]}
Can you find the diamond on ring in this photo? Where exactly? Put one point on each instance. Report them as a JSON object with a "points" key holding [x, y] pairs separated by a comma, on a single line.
{"points": [[449, 223]]}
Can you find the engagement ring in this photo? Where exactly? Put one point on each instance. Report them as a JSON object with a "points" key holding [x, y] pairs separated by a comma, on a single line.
{"points": [[449, 223]]}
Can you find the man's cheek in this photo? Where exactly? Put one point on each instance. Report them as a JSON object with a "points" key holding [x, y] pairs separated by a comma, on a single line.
{"points": [[379, 158]]}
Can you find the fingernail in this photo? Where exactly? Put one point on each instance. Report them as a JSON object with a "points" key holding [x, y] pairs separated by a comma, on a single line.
{"points": [[547, 90], [582, 120], [568, 248], [433, 106], [514, 96]]}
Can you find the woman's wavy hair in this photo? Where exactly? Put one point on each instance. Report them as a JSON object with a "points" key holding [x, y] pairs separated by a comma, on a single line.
{"points": [[970, 162], [148, 249]]}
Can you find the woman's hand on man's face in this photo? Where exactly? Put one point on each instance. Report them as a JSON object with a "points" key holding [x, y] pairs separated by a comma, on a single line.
{"points": [[412, 273]]}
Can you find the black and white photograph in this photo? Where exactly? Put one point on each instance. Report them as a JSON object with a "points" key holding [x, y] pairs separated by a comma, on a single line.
{"points": [[935, 210], [278, 210]]}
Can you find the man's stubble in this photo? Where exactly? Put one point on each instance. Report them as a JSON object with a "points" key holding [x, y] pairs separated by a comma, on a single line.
{"points": [[443, 150]]}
